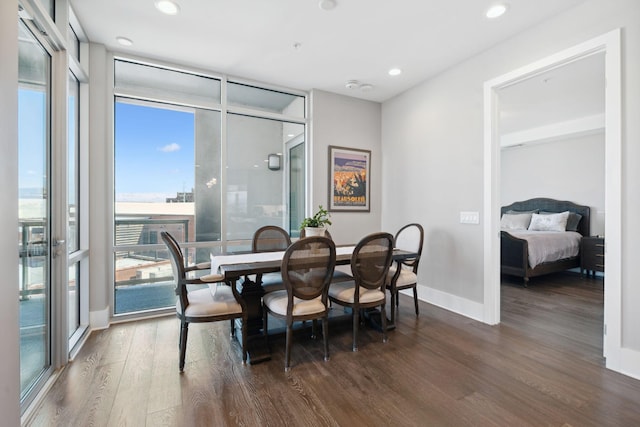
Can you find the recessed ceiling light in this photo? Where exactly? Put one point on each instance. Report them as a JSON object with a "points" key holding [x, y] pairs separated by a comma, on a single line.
{"points": [[124, 41], [352, 84], [167, 7], [496, 11], [327, 4], [395, 72]]}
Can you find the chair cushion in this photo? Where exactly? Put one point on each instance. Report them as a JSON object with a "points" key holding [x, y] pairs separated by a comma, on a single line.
{"points": [[277, 303], [407, 277], [212, 301], [345, 291]]}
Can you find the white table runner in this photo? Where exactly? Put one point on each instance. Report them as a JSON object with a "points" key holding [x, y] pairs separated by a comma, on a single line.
{"points": [[219, 261]]}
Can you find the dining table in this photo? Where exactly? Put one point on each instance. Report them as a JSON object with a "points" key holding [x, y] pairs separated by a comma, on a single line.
{"points": [[247, 269]]}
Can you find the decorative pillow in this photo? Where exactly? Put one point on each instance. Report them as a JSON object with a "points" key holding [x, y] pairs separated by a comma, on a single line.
{"points": [[515, 221], [550, 222], [572, 222]]}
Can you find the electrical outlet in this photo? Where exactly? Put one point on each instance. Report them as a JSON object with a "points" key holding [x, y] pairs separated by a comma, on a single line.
{"points": [[469, 218]]}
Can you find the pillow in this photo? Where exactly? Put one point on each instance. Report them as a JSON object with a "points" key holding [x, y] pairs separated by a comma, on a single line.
{"points": [[572, 222], [550, 222], [515, 221]]}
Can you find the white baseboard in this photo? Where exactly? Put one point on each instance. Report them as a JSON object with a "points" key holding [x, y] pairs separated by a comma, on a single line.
{"points": [[99, 319], [628, 363], [454, 303]]}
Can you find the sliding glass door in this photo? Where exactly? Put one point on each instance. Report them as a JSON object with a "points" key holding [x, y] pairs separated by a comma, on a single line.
{"points": [[34, 188]]}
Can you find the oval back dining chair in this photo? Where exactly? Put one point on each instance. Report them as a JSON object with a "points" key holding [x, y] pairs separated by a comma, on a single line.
{"points": [[370, 263], [216, 302], [404, 273], [270, 238], [341, 272], [307, 269]]}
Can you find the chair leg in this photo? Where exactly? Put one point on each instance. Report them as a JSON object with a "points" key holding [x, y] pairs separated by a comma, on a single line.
{"points": [[233, 329], [356, 326], [314, 328], [383, 319], [415, 299], [325, 337], [287, 348], [184, 331], [394, 298]]}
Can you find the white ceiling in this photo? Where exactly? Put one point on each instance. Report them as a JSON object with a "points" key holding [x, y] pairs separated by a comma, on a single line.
{"points": [[357, 40], [572, 91]]}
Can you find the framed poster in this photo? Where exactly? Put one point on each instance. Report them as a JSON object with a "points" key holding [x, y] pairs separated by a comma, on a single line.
{"points": [[349, 178]]}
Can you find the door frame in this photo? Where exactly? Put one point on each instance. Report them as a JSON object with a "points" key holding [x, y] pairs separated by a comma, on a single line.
{"points": [[610, 44]]}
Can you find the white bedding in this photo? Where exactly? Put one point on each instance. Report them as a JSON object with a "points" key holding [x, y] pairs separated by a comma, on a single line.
{"points": [[545, 246]]}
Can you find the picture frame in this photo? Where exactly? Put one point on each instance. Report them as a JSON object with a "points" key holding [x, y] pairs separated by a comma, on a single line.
{"points": [[349, 179]]}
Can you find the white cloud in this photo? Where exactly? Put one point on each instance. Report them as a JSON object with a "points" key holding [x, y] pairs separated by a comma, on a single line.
{"points": [[170, 148]]}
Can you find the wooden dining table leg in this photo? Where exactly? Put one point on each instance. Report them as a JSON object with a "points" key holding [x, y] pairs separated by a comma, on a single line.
{"points": [[257, 346], [373, 316]]}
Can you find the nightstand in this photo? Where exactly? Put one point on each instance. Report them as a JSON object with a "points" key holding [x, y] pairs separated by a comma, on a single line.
{"points": [[592, 255]]}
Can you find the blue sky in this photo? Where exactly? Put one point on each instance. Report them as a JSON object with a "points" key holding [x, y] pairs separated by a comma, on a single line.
{"points": [[154, 152], [31, 154]]}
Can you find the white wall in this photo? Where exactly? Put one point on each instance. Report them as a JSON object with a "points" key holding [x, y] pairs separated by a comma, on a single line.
{"points": [[569, 169], [346, 122], [9, 350], [432, 138]]}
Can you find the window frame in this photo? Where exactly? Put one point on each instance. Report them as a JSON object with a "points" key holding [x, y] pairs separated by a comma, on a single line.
{"points": [[150, 95]]}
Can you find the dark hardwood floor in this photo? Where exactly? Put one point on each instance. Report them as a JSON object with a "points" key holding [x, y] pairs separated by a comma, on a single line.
{"points": [[542, 366]]}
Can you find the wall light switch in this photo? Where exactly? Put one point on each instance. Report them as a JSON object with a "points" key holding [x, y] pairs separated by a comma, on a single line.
{"points": [[469, 218]]}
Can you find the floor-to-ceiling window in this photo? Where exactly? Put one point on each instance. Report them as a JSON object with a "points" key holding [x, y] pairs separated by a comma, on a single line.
{"points": [[191, 161], [34, 186], [52, 254]]}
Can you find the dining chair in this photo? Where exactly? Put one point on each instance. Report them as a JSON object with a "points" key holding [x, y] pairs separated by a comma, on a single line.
{"points": [[216, 302], [270, 238], [370, 263], [404, 273], [341, 272], [307, 268]]}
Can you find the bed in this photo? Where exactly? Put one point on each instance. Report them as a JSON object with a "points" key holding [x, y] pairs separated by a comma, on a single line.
{"points": [[515, 250]]}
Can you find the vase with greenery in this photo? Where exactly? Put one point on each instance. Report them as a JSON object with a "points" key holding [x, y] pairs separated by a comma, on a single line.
{"points": [[316, 224]]}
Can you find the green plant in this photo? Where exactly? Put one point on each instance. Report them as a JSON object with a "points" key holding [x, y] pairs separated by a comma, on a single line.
{"points": [[319, 219]]}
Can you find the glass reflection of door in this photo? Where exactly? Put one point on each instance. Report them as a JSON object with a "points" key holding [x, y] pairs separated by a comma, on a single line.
{"points": [[295, 162], [34, 232]]}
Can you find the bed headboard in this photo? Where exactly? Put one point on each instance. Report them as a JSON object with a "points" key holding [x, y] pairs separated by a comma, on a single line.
{"points": [[552, 205]]}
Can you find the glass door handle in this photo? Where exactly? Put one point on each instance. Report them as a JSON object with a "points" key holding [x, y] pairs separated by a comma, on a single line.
{"points": [[56, 244]]}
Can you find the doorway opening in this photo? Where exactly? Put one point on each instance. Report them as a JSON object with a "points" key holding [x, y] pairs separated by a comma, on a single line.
{"points": [[609, 45]]}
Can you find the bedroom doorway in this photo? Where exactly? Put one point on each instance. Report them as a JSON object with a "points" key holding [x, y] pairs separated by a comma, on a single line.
{"points": [[608, 47]]}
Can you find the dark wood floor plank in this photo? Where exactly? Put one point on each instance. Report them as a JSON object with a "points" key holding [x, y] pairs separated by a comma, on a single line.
{"points": [[542, 365]]}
